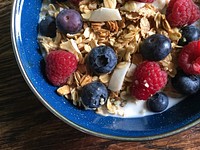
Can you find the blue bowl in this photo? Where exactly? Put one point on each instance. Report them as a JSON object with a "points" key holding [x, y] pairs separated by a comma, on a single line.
{"points": [[182, 116]]}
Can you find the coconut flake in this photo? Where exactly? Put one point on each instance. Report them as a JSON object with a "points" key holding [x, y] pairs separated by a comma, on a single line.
{"points": [[117, 78], [105, 14]]}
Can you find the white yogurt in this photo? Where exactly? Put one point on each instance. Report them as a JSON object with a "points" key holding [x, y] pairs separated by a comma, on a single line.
{"points": [[137, 108]]}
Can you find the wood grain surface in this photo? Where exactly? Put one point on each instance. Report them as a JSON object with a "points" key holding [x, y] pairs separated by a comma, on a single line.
{"points": [[25, 124]]}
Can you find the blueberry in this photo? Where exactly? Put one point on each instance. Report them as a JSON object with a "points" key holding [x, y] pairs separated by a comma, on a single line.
{"points": [[186, 84], [156, 47], [189, 34], [101, 60], [94, 94], [158, 102], [47, 27], [69, 21]]}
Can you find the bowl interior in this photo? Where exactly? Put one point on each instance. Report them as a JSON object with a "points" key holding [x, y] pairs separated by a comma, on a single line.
{"points": [[24, 34]]}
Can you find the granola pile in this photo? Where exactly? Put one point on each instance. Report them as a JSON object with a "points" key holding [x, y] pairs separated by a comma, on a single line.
{"points": [[124, 36]]}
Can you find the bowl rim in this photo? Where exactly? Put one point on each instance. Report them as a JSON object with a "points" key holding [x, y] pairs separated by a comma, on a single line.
{"points": [[57, 114]]}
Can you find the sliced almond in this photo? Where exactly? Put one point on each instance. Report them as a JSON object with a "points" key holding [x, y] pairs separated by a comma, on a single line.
{"points": [[105, 14]]}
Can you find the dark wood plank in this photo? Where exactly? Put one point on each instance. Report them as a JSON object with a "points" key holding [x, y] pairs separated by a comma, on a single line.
{"points": [[26, 124]]}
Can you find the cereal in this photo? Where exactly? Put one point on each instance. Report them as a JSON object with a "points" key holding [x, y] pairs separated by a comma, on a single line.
{"points": [[123, 35]]}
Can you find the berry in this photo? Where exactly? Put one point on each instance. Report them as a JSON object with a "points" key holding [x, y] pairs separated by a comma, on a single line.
{"points": [[145, 1], [148, 79], [189, 58], [182, 12], [60, 65], [156, 47], [189, 34], [94, 94], [47, 27], [69, 21], [158, 102], [186, 84], [101, 60]]}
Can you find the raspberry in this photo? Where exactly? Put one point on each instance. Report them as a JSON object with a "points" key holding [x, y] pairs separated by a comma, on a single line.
{"points": [[148, 79], [60, 65], [195, 14], [189, 58], [145, 1], [182, 12]]}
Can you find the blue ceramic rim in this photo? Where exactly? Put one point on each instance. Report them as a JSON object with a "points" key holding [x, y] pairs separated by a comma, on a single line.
{"points": [[16, 52]]}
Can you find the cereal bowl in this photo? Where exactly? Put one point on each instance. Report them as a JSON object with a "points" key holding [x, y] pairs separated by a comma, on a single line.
{"points": [[30, 60]]}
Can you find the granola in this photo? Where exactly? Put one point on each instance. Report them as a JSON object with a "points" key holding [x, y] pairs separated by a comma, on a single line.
{"points": [[123, 35]]}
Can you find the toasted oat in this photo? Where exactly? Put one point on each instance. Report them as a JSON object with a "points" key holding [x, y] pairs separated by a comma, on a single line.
{"points": [[111, 108], [70, 80], [52, 11], [75, 97], [82, 69], [72, 47], [77, 78], [121, 65], [85, 80], [145, 26], [63, 90], [93, 43], [87, 48], [95, 78], [130, 6], [112, 26], [86, 16], [86, 32], [47, 44], [104, 78]]}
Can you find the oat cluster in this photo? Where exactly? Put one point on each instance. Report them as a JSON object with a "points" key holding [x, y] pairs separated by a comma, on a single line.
{"points": [[123, 36]]}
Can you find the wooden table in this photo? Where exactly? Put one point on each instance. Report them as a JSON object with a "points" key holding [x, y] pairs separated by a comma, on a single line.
{"points": [[26, 124]]}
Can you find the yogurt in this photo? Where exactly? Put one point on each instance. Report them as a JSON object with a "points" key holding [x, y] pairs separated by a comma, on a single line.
{"points": [[136, 108]]}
